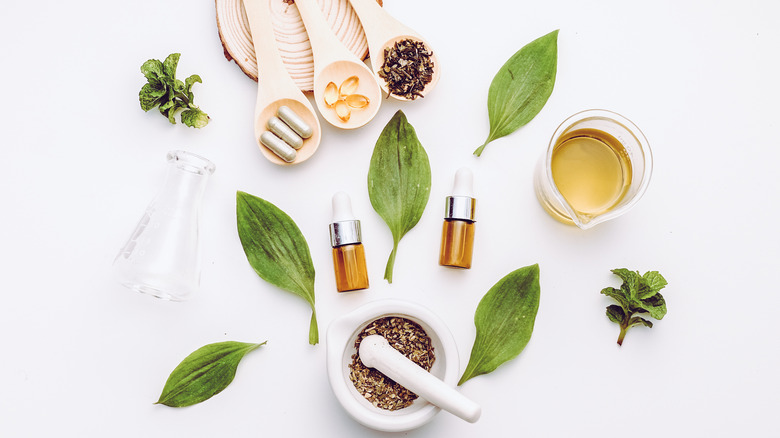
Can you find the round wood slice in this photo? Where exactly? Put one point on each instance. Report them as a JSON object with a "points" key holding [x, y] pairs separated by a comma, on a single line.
{"points": [[291, 38]]}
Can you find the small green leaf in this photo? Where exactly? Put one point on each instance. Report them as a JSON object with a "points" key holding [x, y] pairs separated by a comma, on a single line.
{"points": [[171, 94], [638, 320], [505, 321], [637, 294], [615, 313], [150, 97], [194, 118], [153, 72], [169, 65], [617, 295], [521, 87], [276, 250], [655, 306], [654, 281], [399, 181], [190, 81], [204, 373]]}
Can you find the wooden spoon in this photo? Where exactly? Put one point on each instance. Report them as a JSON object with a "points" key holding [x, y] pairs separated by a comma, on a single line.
{"points": [[382, 30], [275, 88], [334, 63]]}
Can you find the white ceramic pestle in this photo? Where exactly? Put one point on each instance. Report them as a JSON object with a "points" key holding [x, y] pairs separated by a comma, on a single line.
{"points": [[376, 352]]}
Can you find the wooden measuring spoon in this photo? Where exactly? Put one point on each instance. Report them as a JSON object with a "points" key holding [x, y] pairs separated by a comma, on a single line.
{"points": [[334, 63], [275, 88], [382, 30]]}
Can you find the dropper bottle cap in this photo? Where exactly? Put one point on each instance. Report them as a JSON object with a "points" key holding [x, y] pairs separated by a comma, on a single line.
{"points": [[461, 205], [345, 229]]}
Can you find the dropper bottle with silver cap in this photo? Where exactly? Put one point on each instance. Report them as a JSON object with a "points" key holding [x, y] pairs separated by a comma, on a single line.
{"points": [[457, 237], [349, 256]]}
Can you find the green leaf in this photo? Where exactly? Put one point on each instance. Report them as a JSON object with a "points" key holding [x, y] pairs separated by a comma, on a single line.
{"points": [[654, 282], [153, 72], [276, 250], [150, 97], [204, 373], [637, 320], [190, 81], [637, 294], [194, 118], [617, 295], [399, 181], [171, 94], [521, 87], [655, 306], [169, 65], [505, 321], [615, 313]]}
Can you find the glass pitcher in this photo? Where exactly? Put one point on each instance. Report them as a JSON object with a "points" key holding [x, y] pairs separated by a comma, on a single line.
{"points": [[597, 167]]}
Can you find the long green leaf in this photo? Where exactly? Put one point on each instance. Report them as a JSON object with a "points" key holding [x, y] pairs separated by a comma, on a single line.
{"points": [[505, 321], [204, 373], [399, 181], [521, 87], [276, 250]]}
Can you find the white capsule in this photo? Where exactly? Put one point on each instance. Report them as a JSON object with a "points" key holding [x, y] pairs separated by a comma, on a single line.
{"points": [[278, 146], [294, 121], [284, 132]]}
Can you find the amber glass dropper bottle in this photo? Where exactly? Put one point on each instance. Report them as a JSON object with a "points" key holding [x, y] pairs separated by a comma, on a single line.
{"points": [[349, 256], [457, 237]]}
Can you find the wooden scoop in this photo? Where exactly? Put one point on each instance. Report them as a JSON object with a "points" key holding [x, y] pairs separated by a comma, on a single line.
{"points": [[333, 63], [382, 30], [275, 88]]}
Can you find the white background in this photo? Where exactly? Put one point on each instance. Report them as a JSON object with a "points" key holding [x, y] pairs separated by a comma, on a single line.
{"points": [[82, 356]]}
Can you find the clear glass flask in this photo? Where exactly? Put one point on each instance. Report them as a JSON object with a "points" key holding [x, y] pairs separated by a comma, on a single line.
{"points": [[161, 258]]}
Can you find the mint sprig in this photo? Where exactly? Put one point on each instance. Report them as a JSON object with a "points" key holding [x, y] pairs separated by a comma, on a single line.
{"points": [[638, 294], [170, 94]]}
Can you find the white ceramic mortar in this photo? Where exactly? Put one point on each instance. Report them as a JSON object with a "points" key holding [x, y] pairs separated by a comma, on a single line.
{"points": [[340, 340]]}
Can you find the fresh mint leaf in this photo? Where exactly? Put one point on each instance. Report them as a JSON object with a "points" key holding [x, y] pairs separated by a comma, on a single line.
{"points": [[638, 320], [169, 65], [170, 94], [194, 118], [654, 280], [150, 97], [153, 72], [615, 313], [637, 294]]}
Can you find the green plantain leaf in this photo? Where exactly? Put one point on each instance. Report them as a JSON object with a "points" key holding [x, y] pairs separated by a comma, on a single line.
{"points": [[204, 373], [521, 87], [276, 250], [399, 181], [505, 321]]}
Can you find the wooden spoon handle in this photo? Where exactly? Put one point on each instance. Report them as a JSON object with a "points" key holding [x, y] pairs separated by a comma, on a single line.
{"points": [[271, 69], [325, 47]]}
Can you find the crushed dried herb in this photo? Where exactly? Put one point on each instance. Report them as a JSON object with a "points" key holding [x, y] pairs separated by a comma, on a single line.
{"points": [[407, 68], [409, 339]]}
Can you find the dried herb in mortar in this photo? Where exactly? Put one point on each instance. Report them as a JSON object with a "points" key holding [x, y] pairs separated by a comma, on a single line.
{"points": [[407, 68], [409, 339]]}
